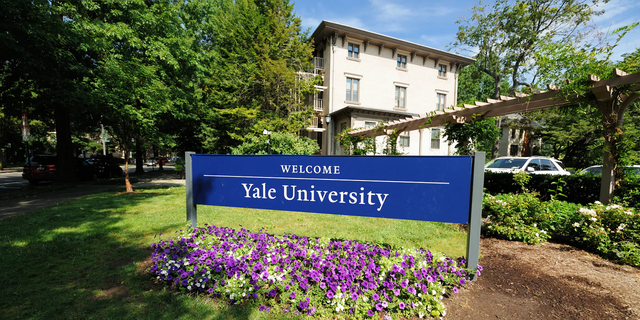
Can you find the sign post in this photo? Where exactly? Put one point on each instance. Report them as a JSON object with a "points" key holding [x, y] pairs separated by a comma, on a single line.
{"points": [[425, 188]]}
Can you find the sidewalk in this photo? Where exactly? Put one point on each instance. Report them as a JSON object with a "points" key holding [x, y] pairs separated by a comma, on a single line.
{"points": [[15, 206], [11, 169]]}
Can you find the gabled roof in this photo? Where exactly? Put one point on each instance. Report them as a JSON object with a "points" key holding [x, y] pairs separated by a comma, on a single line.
{"points": [[326, 29]]}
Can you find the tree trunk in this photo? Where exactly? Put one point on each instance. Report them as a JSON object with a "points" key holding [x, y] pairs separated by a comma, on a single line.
{"points": [[139, 157], [610, 160], [127, 182], [65, 168]]}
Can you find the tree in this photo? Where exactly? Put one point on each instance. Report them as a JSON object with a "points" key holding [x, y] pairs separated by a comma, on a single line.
{"points": [[475, 135], [507, 35], [584, 67], [281, 143], [255, 50]]}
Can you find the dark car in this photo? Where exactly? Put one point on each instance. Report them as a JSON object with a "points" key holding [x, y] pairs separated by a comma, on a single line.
{"points": [[43, 168], [106, 167]]}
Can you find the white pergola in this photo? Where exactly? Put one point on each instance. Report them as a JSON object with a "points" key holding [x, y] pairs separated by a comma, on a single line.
{"points": [[612, 96]]}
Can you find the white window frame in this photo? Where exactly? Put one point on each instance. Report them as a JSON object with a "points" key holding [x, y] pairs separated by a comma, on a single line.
{"points": [[435, 138], [399, 61], [442, 70], [354, 53], [404, 139], [349, 89], [441, 101], [400, 98]]}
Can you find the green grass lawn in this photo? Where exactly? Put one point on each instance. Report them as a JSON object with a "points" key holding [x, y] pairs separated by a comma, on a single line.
{"points": [[87, 258]]}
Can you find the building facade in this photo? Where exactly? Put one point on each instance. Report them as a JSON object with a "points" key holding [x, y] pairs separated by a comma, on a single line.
{"points": [[370, 78]]}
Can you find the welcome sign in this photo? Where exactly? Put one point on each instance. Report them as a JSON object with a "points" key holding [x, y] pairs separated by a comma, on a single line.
{"points": [[426, 188], [399, 187]]}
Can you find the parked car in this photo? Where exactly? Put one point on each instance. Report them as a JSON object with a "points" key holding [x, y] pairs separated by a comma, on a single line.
{"points": [[152, 163], [43, 168], [534, 165], [597, 170], [106, 167]]}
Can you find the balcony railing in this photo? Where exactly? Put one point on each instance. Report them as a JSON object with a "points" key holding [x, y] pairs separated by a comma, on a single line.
{"points": [[318, 64], [317, 105], [314, 122]]}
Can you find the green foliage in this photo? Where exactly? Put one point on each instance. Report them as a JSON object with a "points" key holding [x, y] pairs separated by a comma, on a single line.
{"points": [[610, 231], [281, 143], [508, 34], [362, 145], [521, 179], [476, 135]]}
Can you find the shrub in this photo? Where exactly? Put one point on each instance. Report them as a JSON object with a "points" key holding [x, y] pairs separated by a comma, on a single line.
{"points": [[611, 231], [281, 143]]}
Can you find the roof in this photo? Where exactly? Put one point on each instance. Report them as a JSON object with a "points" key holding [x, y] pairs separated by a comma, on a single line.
{"points": [[372, 111], [328, 28]]}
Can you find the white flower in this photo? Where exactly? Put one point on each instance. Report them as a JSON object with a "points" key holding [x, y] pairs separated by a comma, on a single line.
{"points": [[621, 226], [535, 225], [543, 231], [598, 203], [576, 224], [593, 219]]}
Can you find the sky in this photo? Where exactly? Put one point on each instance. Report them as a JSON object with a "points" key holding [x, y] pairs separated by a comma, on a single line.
{"points": [[433, 23]]}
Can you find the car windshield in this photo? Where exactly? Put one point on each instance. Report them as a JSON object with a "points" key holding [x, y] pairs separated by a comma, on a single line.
{"points": [[507, 163]]}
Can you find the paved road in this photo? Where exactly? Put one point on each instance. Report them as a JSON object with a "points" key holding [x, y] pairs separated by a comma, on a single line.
{"points": [[15, 206], [11, 181]]}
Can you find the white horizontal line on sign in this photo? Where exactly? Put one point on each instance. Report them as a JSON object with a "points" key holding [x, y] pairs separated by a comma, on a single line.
{"points": [[322, 179]]}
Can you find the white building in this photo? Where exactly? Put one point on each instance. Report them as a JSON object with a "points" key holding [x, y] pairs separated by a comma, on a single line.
{"points": [[369, 78]]}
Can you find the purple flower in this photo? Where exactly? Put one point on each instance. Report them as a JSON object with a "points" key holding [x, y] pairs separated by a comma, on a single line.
{"points": [[411, 290], [429, 279], [311, 311], [401, 305], [210, 290], [463, 281], [404, 283], [455, 289], [375, 297], [262, 307], [330, 294], [379, 306], [370, 313], [396, 292], [292, 295], [354, 296], [286, 287], [322, 285]]}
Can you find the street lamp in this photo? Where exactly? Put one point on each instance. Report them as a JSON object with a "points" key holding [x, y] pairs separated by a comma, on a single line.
{"points": [[268, 133], [327, 119]]}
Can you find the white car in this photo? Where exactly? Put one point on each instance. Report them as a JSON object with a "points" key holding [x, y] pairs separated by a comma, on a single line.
{"points": [[535, 165], [597, 170]]}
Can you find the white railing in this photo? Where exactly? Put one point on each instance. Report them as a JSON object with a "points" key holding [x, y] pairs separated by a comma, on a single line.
{"points": [[318, 63], [317, 105]]}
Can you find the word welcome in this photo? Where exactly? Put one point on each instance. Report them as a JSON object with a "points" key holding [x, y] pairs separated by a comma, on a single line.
{"points": [[310, 169], [294, 193]]}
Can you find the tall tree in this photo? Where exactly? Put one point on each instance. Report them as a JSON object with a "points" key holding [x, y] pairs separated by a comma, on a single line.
{"points": [[506, 35], [584, 67]]}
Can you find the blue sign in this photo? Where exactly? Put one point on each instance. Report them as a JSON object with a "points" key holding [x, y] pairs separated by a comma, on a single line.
{"points": [[426, 188]]}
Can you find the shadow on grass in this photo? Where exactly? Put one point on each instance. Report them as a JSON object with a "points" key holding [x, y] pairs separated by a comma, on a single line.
{"points": [[86, 259]]}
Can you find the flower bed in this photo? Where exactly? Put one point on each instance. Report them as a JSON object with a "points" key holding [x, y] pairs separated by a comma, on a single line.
{"points": [[611, 231], [305, 275]]}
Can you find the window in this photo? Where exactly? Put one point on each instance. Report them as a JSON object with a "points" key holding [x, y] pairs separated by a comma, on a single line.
{"points": [[401, 97], [369, 124], [402, 61], [513, 150], [354, 51], [435, 138], [513, 133], [352, 89], [442, 98], [403, 139], [546, 165], [521, 133], [442, 70], [535, 164], [343, 126]]}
